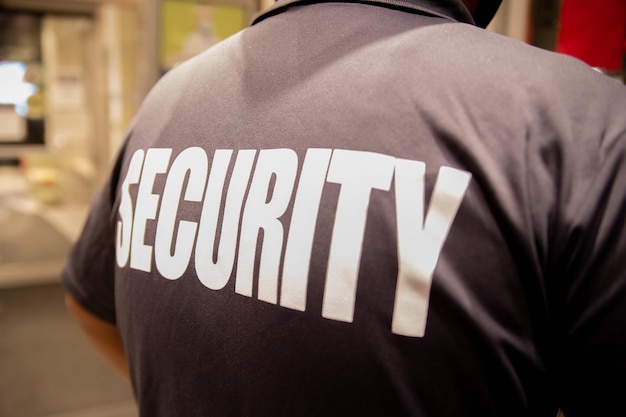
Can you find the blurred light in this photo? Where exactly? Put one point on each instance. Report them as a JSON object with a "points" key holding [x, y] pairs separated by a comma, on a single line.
{"points": [[13, 89]]}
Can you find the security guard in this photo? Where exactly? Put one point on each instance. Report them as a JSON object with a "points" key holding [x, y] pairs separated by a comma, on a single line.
{"points": [[368, 207]]}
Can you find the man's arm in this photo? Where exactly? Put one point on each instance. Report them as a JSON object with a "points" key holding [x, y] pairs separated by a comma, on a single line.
{"points": [[103, 335]]}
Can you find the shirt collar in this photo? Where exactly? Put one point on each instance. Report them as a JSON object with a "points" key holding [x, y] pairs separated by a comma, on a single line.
{"points": [[448, 9]]}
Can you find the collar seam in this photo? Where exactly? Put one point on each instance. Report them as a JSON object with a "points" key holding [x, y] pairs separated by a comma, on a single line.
{"points": [[402, 5]]}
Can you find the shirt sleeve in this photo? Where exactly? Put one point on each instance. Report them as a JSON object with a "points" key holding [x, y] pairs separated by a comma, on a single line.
{"points": [[587, 272], [88, 275]]}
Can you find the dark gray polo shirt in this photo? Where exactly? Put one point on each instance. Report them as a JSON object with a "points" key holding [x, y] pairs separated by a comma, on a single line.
{"points": [[368, 208]]}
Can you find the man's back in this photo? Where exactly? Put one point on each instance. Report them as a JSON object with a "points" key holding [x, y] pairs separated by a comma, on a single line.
{"points": [[354, 209]]}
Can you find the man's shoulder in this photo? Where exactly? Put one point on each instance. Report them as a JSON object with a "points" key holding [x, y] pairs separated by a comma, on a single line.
{"points": [[472, 48], [472, 58]]}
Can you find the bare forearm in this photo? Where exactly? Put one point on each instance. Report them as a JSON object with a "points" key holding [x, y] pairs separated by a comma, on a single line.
{"points": [[104, 336]]}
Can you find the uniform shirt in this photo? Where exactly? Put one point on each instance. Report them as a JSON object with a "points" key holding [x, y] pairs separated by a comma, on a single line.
{"points": [[368, 209]]}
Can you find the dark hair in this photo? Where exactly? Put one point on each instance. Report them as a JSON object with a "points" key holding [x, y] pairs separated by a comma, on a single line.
{"points": [[485, 11]]}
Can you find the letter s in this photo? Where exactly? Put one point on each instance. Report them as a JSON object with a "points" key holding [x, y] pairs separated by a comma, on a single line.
{"points": [[124, 225]]}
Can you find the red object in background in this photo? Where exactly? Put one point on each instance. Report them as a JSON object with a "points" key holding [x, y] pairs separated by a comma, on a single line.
{"points": [[594, 31]]}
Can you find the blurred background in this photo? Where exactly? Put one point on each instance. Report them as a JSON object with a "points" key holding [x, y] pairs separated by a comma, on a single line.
{"points": [[72, 75]]}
